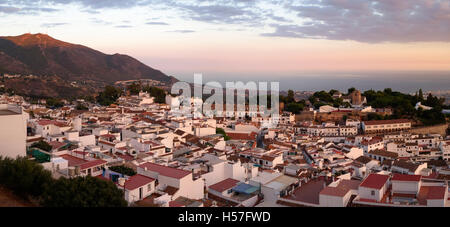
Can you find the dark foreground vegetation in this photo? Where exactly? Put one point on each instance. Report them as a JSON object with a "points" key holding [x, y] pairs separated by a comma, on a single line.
{"points": [[30, 181]]}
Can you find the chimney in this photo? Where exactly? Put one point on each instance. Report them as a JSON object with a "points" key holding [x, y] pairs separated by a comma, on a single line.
{"points": [[122, 181]]}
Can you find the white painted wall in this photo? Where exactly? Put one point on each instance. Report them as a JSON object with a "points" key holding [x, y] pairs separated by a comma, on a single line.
{"points": [[365, 193], [334, 201], [13, 135], [133, 195], [406, 186]]}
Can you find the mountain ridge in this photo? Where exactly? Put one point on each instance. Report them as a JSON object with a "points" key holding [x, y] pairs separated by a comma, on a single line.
{"points": [[40, 54]]}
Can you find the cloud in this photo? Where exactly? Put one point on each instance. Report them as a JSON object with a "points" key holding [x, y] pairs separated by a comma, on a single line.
{"points": [[9, 9], [90, 11], [25, 10], [123, 26], [225, 12], [157, 23], [183, 31], [370, 21], [92, 4], [40, 9], [99, 21], [51, 25]]}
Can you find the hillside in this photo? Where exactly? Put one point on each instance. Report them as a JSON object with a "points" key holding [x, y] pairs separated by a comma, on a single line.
{"points": [[42, 55]]}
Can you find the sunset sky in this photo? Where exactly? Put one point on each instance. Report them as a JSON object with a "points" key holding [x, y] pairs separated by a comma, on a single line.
{"points": [[244, 36]]}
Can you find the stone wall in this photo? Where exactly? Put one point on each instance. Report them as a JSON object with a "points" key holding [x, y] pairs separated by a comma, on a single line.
{"points": [[436, 129]]}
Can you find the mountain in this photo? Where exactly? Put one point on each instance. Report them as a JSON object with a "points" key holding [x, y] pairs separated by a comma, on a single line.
{"points": [[42, 55]]}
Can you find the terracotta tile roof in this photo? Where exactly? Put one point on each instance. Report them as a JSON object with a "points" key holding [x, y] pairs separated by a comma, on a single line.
{"points": [[384, 153], [406, 177], [179, 132], [406, 165], [242, 136], [375, 181], [108, 136], [372, 141], [308, 192], [46, 122], [383, 122], [224, 185], [363, 159], [93, 163], [431, 192], [137, 181], [165, 170], [125, 157], [34, 139], [341, 189], [56, 144], [73, 161], [106, 142], [334, 191], [175, 204]]}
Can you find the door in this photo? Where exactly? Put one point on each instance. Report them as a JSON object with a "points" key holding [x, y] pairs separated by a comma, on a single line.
{"points": [[140, 193]]}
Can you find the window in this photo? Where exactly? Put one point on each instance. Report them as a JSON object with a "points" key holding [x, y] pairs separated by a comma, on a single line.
{"points": [[149, 187], [372, 192]]}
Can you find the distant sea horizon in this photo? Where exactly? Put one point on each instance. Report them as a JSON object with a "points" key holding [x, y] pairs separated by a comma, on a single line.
{"points": [[406, 82]]}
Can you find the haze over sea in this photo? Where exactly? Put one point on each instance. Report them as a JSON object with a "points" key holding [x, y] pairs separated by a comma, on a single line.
{"points": [[407, 82]]}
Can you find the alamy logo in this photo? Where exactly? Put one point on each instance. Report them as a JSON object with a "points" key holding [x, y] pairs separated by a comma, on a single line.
{"points": [[237, 100]]}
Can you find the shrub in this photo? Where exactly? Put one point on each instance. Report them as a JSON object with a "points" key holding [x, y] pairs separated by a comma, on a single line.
{"points": [[83, 192], [24, 177], [123, 170], [29, 179]]}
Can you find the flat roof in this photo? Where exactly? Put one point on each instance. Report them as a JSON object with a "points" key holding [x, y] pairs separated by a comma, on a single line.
{"points": [[245, 188], [309, 192], [281, 182], [5, 112]]}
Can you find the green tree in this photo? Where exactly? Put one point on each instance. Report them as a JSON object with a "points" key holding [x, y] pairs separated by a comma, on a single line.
{"points": [[24, 177], [374, 116], [89, 98], [83, 192], [403, 105], [332, 91], [42, 145], [295, 108], [123, 170], [54, 103], [134, 88], [82, 107], [223, 133], [109, 96], [351, 90], [420, 95], [158, 93], [290, 97]]}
